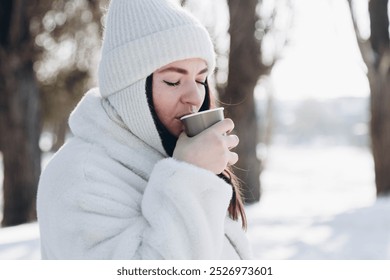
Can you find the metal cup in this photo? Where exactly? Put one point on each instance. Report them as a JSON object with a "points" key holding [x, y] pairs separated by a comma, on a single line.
{"points": [[197, 122]]}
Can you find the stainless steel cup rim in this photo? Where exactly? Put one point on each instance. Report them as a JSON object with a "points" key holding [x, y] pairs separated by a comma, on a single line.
{"points": [[201, 113]]}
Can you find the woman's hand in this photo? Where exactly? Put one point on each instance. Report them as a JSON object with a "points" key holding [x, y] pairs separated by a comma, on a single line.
{"points": [[210, 149]]}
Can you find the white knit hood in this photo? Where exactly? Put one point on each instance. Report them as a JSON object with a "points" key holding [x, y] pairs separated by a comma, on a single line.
{"points": [[140, 37]]}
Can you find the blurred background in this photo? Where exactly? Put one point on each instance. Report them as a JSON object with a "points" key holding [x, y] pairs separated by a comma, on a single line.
{"points": [[307, 83]]}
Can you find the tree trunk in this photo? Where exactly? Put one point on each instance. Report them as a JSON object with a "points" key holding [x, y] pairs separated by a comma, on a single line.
{"points": [[19, 114], [376, 55], [380, 124], [238, 97], [379, 78]]}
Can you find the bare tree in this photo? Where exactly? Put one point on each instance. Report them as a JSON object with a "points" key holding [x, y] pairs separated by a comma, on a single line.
{"points": [[244, 72], [31, 36], [62, 87], [376, 53], [19, 112], [246, 65]]}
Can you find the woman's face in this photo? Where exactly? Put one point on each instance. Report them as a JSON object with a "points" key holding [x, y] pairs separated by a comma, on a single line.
{"points": [[178, 90]]}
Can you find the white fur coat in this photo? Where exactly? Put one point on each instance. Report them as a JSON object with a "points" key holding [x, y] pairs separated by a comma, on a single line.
{"points": [[108, 195]]}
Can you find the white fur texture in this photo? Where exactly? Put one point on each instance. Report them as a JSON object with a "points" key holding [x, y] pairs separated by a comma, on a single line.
{"points": [[108, 195]]}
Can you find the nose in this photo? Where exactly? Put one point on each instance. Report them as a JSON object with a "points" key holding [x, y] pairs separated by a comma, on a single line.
{"points": [[194, 94]]}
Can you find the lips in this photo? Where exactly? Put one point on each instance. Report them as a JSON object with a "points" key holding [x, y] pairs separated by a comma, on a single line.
{"points": [[180, 116]]}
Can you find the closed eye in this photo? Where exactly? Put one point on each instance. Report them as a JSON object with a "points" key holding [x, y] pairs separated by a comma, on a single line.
{"points": [[172, 84], [202, 83]]}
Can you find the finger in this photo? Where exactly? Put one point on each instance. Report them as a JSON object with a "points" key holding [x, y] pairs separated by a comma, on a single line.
{"points": [[224, 126], [232, 141], [233, 158]]}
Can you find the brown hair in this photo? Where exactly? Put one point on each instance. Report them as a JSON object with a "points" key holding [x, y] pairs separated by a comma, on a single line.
{"points": [[236, 206]]}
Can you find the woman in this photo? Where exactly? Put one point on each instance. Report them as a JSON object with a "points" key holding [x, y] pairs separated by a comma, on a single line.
{"points": [[130, 184]]}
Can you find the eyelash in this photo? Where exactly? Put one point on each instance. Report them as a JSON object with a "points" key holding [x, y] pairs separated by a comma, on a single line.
{"points": [[178, 83], [172, 84]]}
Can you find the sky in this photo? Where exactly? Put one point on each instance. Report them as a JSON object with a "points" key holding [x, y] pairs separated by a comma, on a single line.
{"points": [[322, 59]]}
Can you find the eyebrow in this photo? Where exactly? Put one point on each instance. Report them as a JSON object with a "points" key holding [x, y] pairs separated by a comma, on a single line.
{"points": [[181, 70]]}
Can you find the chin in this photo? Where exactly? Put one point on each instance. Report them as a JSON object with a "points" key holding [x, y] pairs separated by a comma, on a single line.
{"points": [[177, 133], [176, 129]]}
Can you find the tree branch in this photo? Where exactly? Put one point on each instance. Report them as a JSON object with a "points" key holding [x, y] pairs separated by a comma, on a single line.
{"points": [[364, 45]]}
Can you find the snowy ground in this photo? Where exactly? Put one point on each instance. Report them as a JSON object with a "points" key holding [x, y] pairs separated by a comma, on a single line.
{"points": [[317, 203]]}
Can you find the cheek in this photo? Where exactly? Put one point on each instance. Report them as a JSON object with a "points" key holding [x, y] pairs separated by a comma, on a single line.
{"points": [[163, 101], [165, 105], [166, 115]]}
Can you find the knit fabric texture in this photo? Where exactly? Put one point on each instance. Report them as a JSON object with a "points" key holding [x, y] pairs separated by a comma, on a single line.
{"points": [[140, 37]]}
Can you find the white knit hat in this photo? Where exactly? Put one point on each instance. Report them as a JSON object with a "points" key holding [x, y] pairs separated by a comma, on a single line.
{"points": [[144, 35], [140, 37]]}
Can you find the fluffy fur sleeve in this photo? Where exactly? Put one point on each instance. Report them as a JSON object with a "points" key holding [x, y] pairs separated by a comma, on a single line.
{"points": [[185, 207]]}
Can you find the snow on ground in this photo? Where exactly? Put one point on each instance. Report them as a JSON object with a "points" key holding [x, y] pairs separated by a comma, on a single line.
{"points": [[20, 242], [317, 203]]}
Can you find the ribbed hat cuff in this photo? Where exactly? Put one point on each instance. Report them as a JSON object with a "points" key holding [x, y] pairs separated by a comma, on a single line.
{"points": [[122, 67]]}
